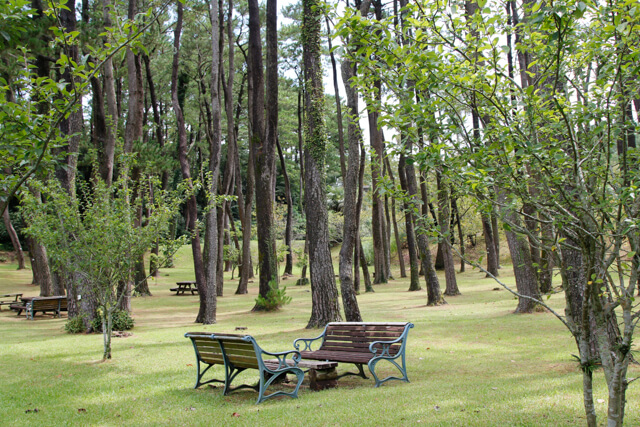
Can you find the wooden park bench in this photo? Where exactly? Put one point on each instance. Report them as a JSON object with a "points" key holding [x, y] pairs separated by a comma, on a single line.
{"points": [[55, 304], [360, 343], [238, 353], [9, 299]]}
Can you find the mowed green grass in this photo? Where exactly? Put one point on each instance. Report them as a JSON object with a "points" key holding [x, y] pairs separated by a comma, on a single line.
{"points": [[471, 363]]}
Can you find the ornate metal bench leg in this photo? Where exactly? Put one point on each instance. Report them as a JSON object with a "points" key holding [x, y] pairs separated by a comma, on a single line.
{"points": [[403, 369]]}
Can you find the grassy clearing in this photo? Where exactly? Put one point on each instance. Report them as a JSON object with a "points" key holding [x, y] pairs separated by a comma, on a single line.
{"points": [[470, 362]]}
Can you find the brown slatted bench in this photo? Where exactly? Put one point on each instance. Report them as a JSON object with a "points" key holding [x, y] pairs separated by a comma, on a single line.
{"points": [[360, 343], [56, 304], [11, 299], [238, 353]]}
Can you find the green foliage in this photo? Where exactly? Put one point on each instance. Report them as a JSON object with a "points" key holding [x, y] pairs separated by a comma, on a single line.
{"points": [[74, 228], [301, 258], [122, 321], [276, 298], [336, 226], [75, 325]]}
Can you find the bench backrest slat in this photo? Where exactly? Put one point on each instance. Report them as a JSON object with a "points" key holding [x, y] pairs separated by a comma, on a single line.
{"points": [[239, 352], [356, 337], [212, 348], [49, 303], [208, 350]]}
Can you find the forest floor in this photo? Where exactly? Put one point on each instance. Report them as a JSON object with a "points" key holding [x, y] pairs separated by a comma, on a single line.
{"points": [[471, 362]]}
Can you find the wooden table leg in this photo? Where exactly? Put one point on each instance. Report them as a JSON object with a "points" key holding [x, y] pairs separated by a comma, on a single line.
{"points": [[320, 379]]}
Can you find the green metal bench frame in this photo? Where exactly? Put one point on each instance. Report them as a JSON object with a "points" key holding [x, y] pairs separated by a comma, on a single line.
{"points": [[359, 353], [238, 353]]}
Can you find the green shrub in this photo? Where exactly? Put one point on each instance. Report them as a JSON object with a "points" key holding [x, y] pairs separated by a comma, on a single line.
{"points": [[276, 298], [122, 321], [75, 325]]}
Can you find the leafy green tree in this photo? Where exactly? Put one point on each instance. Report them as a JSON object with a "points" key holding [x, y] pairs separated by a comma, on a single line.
{"points": [[74, 229], [564, 146]]}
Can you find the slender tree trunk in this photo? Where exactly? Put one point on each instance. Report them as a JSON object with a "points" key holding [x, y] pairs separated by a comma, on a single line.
{"points": [[445, 231], [15, 241], [362, 262], [288, 231], [191, 213], [66, 175], [343, 168], [213, 285], [324, 294], [414, 268], [350, 185], [456, 213], [492, 256], [526, 279], [111, 126], [396, 233], [434, 295], [263, 136]]}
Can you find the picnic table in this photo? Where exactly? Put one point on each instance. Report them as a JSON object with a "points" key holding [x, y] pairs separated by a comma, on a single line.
{"points": [[185, 286], [8, 299]]}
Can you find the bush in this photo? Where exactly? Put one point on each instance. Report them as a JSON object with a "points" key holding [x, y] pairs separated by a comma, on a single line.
{"points": [[122, 321], [275, 299], [75, 325]]}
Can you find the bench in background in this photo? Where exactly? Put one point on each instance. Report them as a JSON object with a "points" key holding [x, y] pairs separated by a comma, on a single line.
{"points": [[360, 343], [9, 299], [56, 305]]}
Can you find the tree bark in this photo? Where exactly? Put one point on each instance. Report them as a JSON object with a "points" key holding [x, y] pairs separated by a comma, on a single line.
{"points": [[212, 244], [456, 213], [15, 241], [350, 185], [434, 295], [288, 231], [343, 168], [396, 233], [490, 246], [445, 235], [324, 294], [111, 126], [414, 268], [191, 213], [263, 136]]}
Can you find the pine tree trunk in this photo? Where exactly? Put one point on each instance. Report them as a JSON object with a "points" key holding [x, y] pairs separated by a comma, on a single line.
{"points": [[263, 136], [288, 231], [191, 212], [212, 243], [350, 185], [324, 294]]}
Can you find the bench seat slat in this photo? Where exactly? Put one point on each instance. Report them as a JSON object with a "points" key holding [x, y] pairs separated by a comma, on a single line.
{"points": [[337, 356]]}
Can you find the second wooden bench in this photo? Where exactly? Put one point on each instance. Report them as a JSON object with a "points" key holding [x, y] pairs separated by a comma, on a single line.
{"points": [[238, 353]]}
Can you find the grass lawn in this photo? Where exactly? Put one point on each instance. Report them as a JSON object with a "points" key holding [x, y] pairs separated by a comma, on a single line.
{"points": [[471, 363]]}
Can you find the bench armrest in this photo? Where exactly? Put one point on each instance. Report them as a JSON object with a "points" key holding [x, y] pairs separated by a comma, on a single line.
{"points": [[307, 342], [385, 346], [284, 361]]}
